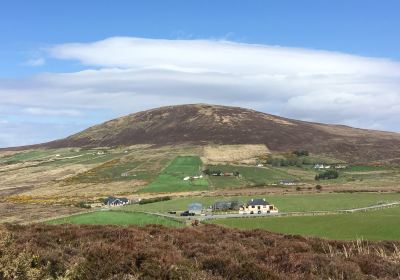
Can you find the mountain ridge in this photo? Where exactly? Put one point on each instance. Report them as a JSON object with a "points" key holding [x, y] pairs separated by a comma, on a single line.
{"points": [[202, 124]]}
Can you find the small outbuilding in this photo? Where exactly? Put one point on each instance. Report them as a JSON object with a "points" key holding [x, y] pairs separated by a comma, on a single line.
{"points": [[195, 208], [225, 205]]}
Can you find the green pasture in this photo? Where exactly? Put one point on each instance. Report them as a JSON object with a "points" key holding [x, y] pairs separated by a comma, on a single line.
{"points": [[285, 203], [250, 176], [116, 218], [366, 168], [171, 178], [373, 225]]}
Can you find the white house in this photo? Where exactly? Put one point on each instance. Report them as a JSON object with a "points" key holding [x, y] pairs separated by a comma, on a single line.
{"points": [[322, 166], [287, 182], [257, 206], [116, 201]]}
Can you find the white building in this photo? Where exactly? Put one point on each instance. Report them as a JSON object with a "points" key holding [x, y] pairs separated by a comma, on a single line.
{"points": [[258, 206]]}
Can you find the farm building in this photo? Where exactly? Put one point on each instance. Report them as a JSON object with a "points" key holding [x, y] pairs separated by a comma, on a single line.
{"points": [[195, 208], [322, 166], [257, 206], [225, 205], [115, 201], [188, 178], [287, 182]]}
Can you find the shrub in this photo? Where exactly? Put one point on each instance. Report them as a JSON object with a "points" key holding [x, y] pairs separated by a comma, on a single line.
{"points": [[318, 187], [155, 199], [326, 175], [301, 153], [82, 204]]}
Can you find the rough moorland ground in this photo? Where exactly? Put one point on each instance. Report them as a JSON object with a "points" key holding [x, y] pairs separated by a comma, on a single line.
{"points": [[208, 252]]}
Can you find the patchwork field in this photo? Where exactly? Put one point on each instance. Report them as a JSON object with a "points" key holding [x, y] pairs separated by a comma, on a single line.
{"points": [[116, 218], [171, 178], [62, 175], [373, 225]]}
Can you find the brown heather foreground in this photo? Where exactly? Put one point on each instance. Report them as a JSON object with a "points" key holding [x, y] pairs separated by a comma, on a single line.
{"points": [[207, 252]]}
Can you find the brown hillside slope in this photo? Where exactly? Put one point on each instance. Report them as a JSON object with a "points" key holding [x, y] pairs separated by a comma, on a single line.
{"points": [[201, 124], [207, 253]]}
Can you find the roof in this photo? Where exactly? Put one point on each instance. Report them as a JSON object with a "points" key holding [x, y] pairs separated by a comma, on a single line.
{"points": [[111, 199], [195, 206], [257, 201], [286, 181]]}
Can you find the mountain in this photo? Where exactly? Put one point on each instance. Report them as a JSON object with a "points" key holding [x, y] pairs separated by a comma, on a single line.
{"points": [[202, 124]]}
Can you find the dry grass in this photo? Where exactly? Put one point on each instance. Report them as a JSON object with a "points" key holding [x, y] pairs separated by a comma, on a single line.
{"points": [[23, 213], [233, 153]]}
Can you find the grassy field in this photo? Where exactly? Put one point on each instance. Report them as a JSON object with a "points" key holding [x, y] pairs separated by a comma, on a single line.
{"points": [[116, 218], [357, 175], [285, 203], [374, 225], [250, 176], [171, 178], [112, 171]]}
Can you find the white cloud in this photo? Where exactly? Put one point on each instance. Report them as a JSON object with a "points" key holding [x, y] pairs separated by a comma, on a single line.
{"points": [[128, 74], [35, 62], [51, 112]]}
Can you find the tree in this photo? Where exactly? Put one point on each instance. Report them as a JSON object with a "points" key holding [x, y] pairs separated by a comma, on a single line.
{"points": [[329, 174], [300, 153]]}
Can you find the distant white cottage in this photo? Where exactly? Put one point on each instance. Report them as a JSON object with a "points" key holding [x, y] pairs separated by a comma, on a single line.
{"points": [[321, 166], [187, 178]]}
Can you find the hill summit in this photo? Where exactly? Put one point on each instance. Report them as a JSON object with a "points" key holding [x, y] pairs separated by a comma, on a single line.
{"points": [[201, 124]]}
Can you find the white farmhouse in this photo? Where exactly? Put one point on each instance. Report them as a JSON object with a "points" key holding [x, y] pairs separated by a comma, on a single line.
{"points": [[258, 206]]}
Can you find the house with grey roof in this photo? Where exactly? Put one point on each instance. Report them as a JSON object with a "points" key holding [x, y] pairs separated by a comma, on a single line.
{"points": [[115, 201]]}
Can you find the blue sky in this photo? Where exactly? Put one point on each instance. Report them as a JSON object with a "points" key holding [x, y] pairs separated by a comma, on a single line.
{"points": [[35, 39]]}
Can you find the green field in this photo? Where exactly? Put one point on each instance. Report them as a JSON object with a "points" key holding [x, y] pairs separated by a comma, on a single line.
{"points": [[366, 168], [373, 225], [116, 218], [285, 203], [112, 171], [250, 176], [171, 178]]}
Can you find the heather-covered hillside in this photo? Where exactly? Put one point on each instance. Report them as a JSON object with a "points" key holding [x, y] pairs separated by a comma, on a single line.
{"points": [[206, 252]]}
